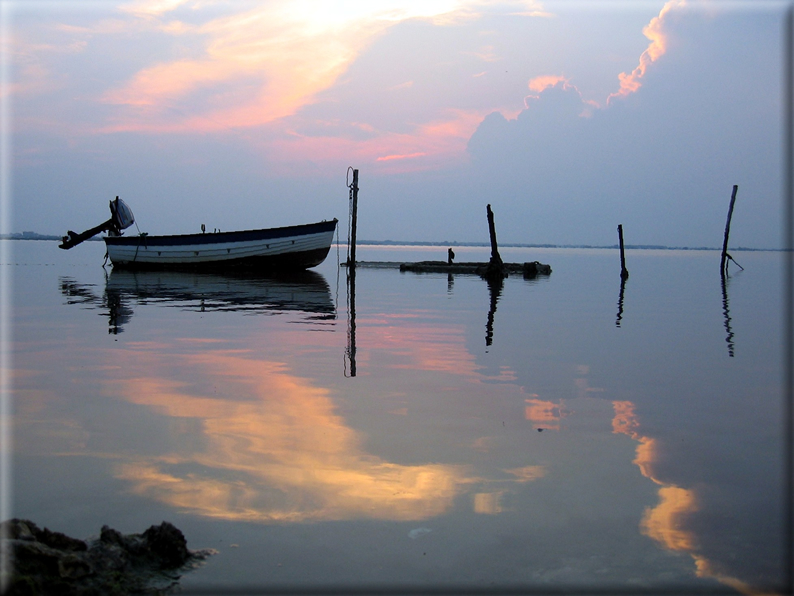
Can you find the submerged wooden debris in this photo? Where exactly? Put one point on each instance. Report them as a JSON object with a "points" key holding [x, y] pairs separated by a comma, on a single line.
{"points": [[528, 270]]}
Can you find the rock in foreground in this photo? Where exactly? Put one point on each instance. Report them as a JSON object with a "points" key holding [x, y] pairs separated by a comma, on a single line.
{"points": [[46, 562]]}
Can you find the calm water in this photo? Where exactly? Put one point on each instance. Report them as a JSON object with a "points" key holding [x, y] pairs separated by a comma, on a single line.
{"points": [[567, 435]]}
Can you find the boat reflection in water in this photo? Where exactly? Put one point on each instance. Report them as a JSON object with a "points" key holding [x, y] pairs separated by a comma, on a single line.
{"points": [[304, 291]]}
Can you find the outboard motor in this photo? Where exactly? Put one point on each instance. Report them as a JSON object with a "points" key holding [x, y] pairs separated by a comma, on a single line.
{"points": [[121, 218], [121, 215]]}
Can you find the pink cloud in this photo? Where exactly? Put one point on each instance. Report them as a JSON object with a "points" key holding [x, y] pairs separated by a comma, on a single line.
{"points": [[407, 156], [630, 82], [427, 146], [538, 84]]}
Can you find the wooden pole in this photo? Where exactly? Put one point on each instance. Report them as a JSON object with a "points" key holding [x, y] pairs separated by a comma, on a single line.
{"points": [[351, 278], [495, 258], [725, 255], [624, 273], [354, 218]]}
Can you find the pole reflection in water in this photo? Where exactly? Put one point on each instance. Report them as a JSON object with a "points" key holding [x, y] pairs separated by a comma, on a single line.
{"points": [[305, 291], [350, 352], [620, 301], [495, 286], [726, 313]]}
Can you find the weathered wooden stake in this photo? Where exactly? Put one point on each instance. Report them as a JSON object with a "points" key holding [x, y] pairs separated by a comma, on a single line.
{"points": [[354, 217], [351, 277], [624, 273], [495, 258], [725, 255]]}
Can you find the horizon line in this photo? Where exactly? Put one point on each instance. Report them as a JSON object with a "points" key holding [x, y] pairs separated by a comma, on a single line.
{"points": [[28, 235]]}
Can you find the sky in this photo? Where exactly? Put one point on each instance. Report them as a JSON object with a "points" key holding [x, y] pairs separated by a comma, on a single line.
{"points": [[567, 117]]}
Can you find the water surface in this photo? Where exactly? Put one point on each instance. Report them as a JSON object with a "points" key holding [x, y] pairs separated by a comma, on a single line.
{"points": [[562, 432]]}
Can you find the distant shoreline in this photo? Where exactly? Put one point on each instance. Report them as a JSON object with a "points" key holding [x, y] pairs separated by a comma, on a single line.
{"points": [[593, 246], [36, 236]]}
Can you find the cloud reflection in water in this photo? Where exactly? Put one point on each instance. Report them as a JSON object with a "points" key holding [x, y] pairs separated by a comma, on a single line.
{"points": [[273, 448], [667, 522]]}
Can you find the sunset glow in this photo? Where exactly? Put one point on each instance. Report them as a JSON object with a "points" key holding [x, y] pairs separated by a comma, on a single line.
{"points": [[257, 96], [389, 427], [282, 54]]}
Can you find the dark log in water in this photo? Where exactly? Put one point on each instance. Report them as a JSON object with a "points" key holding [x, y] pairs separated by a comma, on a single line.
{"points": [[528, 270]]}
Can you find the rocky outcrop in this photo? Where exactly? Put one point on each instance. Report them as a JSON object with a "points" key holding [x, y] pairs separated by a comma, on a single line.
{"points": [[46, 562]]}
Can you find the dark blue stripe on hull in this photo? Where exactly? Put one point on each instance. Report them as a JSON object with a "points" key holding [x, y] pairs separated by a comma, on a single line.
{"points": [[222, 237], [260, 264]]}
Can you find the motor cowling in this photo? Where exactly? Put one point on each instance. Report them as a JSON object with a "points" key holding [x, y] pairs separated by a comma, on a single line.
{"points": [[121, 214]]}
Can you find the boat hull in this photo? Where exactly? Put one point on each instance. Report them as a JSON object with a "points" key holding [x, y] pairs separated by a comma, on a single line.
{"points": [[274, 249]]}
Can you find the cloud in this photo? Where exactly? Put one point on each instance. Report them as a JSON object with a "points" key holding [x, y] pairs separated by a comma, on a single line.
{"points": [[152, 8], [486, 54], [630, 82], [33, 74], [424, 146], [408, 156], [282, 54], [252, 70], [540, 83]]}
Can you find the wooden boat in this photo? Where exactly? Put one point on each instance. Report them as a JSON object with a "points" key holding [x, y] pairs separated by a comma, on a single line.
{"points": [[293, 247], [273, 249]]}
